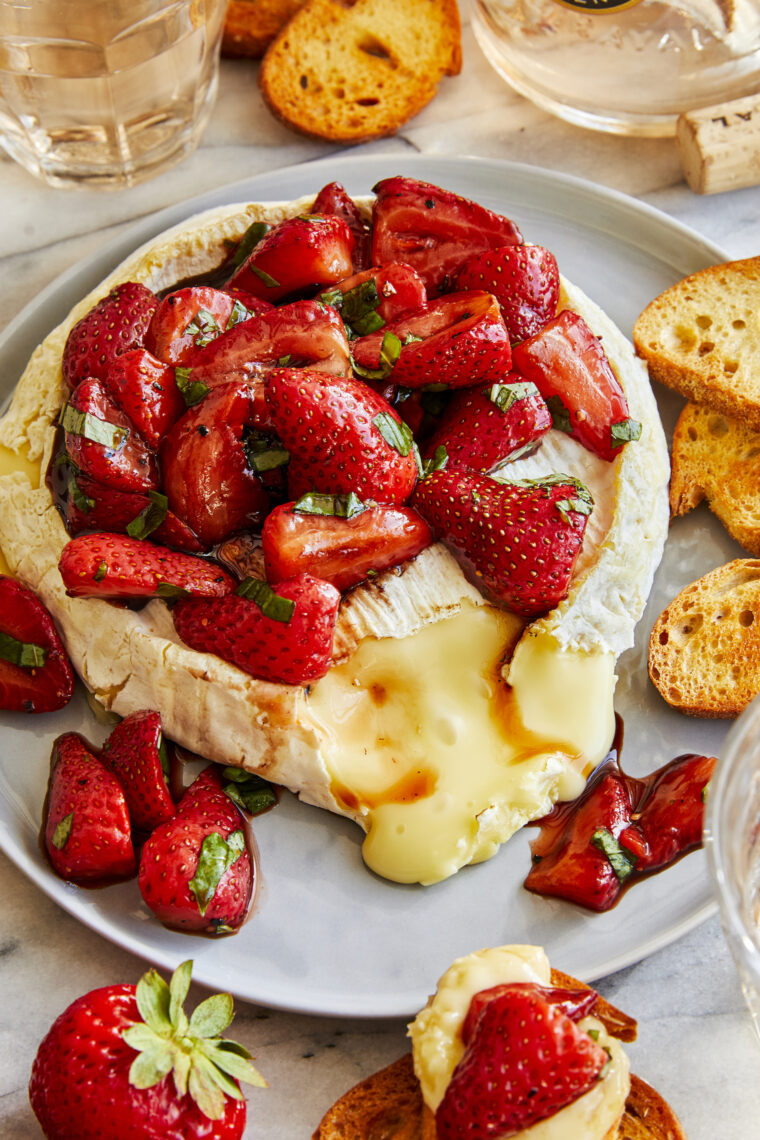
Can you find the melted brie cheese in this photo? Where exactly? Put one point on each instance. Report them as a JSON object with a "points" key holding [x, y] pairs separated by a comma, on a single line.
{"points": [[437, 1043]]}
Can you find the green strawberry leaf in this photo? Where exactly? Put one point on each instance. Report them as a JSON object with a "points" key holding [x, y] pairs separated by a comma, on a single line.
{"points": [[179, 987], [150, 1067], [212, 1016], [153, 1001]]}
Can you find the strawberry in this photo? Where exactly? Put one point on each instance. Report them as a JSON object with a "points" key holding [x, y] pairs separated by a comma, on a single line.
{"points": [[339, 539], [482, 427], [105, 565], [146, 391], [136, 754], [342, 436], [285, 637], [671, 815], [101, 440], [457, 341], [87, 832], [117, 323], [521, 539], [433, 230], [333, 199], [124, 1061], [211, 478], [196, 872], [370, 299], [569, 366], [524, 1060], [91, 506], [190, 318], [296, 255], [524, 279], [574, 1003], [35, 672]]}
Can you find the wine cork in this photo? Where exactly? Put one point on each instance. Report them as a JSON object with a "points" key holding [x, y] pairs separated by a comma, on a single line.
{"points": [[719, 146]]}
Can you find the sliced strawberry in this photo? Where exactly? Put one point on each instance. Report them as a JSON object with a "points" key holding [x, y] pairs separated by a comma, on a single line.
{"points": [[523, 278], [433, 230], [521, 539], [101, 441], [115, 566], [574, 1003], [209, 477], [190, 318], [333, 199], [91, 506], [482, 427], [88, 836], [672, 814], [458, 341], [196, 872], [115, 325], [35, 672], [285, 637], [369, 300], [297, 255], [569, 366], [524, 1061], [136, 754], [339, 539], [146, 391], [341, 436]]}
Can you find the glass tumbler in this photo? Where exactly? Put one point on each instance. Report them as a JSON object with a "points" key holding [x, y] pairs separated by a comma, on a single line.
{"points": [[732, 841], [106, 93], [625, 66]]}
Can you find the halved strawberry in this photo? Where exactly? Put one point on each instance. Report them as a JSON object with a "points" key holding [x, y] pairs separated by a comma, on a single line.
{"points": [[523, 278], [524, 1061], [574, 1003], [146, 391], [521, 539], [285, 636], [35, 672], [116, 566], [482, 427], [102, 441], [339, 539], [433, 230], [341, 436], [457, 341], [296, 255], [369, 300], [88, 836], [190, 318], [209, 476], [569, 366], [135, 752], [91, 506], [116, 324], [333, 199]]}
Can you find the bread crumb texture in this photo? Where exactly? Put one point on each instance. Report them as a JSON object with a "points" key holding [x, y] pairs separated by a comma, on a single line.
{"points": [[251, 25], [702, 338], [704, 650], [350, 71]]}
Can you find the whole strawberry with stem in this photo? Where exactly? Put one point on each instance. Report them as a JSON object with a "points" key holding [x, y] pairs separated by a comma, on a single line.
{"points": [[125, 1062]]}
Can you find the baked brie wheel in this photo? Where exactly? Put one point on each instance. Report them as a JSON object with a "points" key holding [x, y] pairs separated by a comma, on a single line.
{"points": [[445, 723]]}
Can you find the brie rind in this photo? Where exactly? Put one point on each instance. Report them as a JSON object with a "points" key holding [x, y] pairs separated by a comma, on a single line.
{"points": [[134, 659]]}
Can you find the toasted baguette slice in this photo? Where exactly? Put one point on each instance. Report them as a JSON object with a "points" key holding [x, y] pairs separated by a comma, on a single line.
{"points": [[702, 338], [348, 73], [704, 650], [718, 459], [251, 25], [389, 1105]]}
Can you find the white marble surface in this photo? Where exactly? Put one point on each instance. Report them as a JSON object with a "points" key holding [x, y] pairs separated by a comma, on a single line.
{"points": [[695, 1041]]}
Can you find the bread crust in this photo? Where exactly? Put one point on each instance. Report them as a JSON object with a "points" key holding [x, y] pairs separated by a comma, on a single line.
{"points": [[251, 25]]}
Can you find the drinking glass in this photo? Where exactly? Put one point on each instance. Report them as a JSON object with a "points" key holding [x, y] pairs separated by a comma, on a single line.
{"points": [[106, 93], [625, 66], [732, 840]]}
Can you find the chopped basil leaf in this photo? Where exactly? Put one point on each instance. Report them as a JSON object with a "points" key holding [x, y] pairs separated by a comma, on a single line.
{"points": [[593, 1034], [63, 831], [249, 241], [249, 791], [83, 502], [192, 391], [23, 653], [580, 506], [92, 428], [271, 605], [150, 517], [436, 462], [396, 434], [216, 857], [263, 452], [545, 481], [433, 403], [625, 431], [341, 506], [505, 395], [239, 313], [390, 350], [621, 861], [560, 414], [203, 328], [410, 338], [265, 277], [170, 590], [284, 361], [357, 306], [333, 297], [100, 570], [163, 756]]}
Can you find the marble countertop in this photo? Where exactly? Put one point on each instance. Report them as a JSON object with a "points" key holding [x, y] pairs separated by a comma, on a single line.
{"points": [[695, 1041]]}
